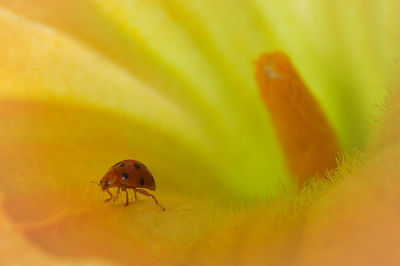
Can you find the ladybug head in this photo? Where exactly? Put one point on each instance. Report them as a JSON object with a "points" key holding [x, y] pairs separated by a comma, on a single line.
{"points": [[105, 183], [108, 180]]}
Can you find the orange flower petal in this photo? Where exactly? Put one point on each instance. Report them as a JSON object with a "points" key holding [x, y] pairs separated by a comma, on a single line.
{"points": [[15, 249], [357, 220]]}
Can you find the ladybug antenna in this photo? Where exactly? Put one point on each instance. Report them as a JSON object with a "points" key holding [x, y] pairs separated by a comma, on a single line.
{"points": [[94, 183]]}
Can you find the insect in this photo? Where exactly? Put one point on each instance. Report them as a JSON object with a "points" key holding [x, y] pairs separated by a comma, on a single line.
{"points": [[129, 174]]}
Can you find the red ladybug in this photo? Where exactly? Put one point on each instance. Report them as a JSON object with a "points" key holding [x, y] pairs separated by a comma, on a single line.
{"points": [[129, 174]]}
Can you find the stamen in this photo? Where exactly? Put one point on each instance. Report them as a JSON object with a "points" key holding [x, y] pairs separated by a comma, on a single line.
{"points": [[308, 141]]}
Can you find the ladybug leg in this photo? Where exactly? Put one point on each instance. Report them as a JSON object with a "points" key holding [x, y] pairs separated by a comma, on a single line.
{"points": [[111, 196], [117, 194], [127, 196], [135, 194], [144, 192]]}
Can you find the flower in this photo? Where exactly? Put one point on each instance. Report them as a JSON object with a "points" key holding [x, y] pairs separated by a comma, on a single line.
{"points": [[84, 84]]}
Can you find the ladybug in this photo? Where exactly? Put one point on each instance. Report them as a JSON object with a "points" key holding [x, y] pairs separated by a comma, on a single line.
{"points": [[129, 174]]}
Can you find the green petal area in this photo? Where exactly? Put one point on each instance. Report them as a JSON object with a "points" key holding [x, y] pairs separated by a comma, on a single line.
{"points": [[345, 51], [345, 54], [235, 119]]}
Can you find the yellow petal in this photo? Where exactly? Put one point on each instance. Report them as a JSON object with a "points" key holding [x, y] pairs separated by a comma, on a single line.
{"points": [[65, 70]]}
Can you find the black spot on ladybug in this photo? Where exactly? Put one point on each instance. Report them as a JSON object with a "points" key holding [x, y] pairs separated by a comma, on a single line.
{"points": [[124, 176], [121, 165], [137, 166], [141, 181]]}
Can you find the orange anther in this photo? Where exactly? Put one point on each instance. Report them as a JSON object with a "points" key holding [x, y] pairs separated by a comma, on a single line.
{"points": [[306, 137]]}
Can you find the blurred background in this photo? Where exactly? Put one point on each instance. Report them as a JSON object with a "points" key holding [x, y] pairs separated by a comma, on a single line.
{"points": [[85, 84]]}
